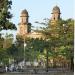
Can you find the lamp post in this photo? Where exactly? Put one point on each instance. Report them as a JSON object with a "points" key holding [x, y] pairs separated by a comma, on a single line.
{"points": [[24, 53], [47, 61], [47, 55]]}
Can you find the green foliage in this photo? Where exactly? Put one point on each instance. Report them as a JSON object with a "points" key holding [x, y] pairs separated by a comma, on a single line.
{"points": [[34, 47], [60, 38], [5, 24], [5, 43], [58, 41], [5, 15], [1, 42]]}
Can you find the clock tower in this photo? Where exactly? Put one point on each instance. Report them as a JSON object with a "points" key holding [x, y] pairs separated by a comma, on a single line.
{"points": [[24, 25], [55, 15]]}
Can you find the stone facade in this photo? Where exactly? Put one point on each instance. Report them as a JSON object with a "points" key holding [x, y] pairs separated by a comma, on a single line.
{"points": [[25, 26], [55, 15]]}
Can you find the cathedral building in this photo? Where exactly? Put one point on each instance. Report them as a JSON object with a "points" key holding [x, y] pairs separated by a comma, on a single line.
{"points": [[24, 27]]}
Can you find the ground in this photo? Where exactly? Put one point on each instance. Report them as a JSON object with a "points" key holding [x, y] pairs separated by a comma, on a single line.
{"points": [[49, 73]]}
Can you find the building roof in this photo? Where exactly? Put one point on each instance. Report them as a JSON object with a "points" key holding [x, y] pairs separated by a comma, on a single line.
{"points": [[56, 9], [24, 13]]}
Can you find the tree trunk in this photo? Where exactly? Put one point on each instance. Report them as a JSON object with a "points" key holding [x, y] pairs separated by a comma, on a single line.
{"points": [[54, 63], [72, 64]]}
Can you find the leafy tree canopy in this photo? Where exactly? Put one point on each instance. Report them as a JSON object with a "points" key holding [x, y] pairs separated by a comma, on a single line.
{"points": [[5, 15]]}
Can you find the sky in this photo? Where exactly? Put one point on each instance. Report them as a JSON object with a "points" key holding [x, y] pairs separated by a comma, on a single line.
{"points": [[40, 9]]}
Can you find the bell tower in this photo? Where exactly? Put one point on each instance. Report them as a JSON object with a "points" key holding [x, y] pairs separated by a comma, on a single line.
{"points": [[54, 20], [55, 14], [24, 16], [24, 25]]}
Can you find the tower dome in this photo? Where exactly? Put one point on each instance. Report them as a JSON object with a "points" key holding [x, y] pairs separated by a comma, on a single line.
{"points": [[24, 13], [55, 13], [56, 9]]}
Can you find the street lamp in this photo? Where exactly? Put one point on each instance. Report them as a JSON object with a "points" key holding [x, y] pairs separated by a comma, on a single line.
{"points": [[24, 52], [47, 56], [47, 61]]}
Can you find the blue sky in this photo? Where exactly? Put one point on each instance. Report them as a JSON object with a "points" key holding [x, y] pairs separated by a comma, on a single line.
{"points": [[40, 9]]}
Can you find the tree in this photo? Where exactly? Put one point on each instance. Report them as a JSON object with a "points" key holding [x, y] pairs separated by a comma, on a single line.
{"points": [[5, 15], [5, 43], [33, 49], [1, 41], [60, 37], [69, 41], [8, 41], [5, 24]]}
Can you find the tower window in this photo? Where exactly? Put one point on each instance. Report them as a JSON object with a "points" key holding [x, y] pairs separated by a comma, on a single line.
{"points": [[54, 18]]}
